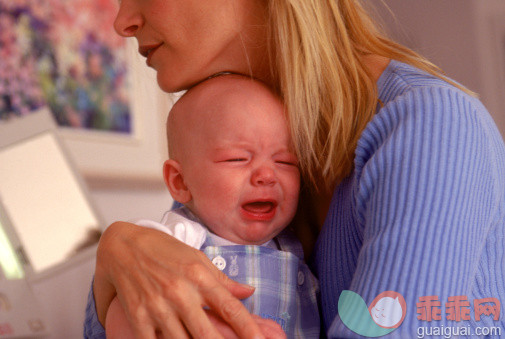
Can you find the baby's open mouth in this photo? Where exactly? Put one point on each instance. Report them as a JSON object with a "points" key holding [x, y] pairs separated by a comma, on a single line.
{"points": [[259, 206]]}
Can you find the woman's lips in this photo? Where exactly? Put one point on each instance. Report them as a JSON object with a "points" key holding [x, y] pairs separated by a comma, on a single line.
{"points": [[260, 210], [147, 51]]}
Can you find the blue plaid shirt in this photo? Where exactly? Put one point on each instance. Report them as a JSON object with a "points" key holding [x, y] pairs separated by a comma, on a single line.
{"points": [[286, 290]]}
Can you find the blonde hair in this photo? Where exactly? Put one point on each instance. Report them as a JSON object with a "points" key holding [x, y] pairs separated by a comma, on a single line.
{"points": [[316, 49]]}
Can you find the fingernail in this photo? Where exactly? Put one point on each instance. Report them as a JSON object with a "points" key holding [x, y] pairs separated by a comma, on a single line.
{"points": [[249, 287]]}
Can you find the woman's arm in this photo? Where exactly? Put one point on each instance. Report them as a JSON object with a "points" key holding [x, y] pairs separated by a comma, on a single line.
{"points": [[428, 193], [164, 284]]}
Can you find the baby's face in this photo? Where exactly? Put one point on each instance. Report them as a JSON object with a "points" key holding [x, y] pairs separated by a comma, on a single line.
{"points": [[240, 169]]}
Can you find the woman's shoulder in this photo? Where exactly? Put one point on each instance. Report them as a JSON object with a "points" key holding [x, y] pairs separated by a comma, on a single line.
{"points": [[422, 114], [413, 101], [399, 78], [404, 87]]}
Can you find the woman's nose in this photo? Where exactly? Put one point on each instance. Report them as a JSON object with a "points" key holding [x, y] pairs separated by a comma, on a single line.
{"points": [[128, 20], [263, 176]]}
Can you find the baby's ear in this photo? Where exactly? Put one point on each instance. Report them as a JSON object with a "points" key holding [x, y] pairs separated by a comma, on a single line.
{"points": [[174, 180]]}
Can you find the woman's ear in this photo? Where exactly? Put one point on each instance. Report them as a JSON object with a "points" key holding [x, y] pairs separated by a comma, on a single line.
{"points": [[175, 181]]}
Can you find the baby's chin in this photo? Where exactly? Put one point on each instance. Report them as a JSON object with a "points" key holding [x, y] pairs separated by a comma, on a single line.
{"points": [[247, 232], [255, 241], [243, 234], [256, 235]]}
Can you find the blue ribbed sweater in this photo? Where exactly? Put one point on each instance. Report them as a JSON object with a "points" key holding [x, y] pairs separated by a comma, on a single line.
{"points": [[423, 212]]}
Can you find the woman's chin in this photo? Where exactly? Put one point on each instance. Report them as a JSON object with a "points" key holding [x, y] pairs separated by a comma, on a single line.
{"points": [[173, 81], [168, 84]]}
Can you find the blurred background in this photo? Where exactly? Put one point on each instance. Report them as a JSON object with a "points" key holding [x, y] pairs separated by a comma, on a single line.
{"points": [[110, 115]]}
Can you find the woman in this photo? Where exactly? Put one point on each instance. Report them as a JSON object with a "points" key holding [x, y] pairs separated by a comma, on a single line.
{"points": [[403, 167]]}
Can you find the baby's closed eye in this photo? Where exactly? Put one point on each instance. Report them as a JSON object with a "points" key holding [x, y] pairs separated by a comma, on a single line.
{"points": [[235, 160], [286, 159], [290, 163]]}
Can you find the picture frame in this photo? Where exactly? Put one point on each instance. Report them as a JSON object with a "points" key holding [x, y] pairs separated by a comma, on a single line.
{"points": [[107, 157], [102, 95], [62, 210]]}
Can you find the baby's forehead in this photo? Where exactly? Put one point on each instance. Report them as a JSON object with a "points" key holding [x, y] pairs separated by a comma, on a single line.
{"points": [[209, 108], [222, 95], [226, 88]]}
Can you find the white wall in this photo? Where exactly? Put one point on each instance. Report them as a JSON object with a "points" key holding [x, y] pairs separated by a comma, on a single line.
{"points": [[131, 203], [62, 293]]}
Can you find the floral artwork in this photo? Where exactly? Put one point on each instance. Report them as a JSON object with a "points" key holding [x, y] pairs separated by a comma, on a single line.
{"points": [[66, 55]]}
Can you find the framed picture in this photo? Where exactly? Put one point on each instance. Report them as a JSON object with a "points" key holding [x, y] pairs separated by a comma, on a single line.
{"points": [[66, 56], [136, 156]]}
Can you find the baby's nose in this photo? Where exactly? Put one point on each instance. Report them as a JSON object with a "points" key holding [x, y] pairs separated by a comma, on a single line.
{"points": [[263, 176]]}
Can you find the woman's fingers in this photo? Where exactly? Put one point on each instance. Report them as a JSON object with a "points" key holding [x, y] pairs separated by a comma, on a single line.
{"points": [[157, 320], [240, 291], [223, 328], [145, 330], [231, 310], [118, 326], [212, 290], [171, 327], [190, 319], [168, 305], [269, 328], [198, 324]]}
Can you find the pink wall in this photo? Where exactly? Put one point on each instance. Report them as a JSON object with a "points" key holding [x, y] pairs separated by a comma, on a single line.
{"points": [[466, 38]]}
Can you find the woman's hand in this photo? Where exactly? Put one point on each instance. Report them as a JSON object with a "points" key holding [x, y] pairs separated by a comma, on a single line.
{"points": [[269, 328], [117, 326], [163, 285]]}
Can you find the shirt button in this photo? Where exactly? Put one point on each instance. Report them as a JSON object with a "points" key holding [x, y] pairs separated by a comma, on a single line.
{"points": [[219, 262], [301, 278]]}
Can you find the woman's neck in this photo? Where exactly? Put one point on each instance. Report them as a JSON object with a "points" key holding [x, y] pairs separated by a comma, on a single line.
{"points": [[376, 64]]}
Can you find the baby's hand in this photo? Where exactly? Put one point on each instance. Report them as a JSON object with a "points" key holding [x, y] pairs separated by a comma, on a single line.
{"points": [[116, 324], [269, 328]]}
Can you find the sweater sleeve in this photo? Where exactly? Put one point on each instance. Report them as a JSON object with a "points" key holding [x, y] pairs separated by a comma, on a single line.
{"points": [[426, 196], [93, 329]]}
